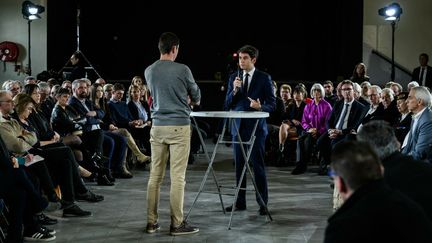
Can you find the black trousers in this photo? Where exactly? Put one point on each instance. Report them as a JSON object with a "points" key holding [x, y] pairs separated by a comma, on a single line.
{"points": [[23, 202]]}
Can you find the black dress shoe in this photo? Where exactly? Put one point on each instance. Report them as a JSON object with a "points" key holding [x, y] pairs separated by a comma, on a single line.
{"points": [[102, 180], [262, 211], [89, 197], [122, 175], [323, 171], [299, 169], [237, 208]]}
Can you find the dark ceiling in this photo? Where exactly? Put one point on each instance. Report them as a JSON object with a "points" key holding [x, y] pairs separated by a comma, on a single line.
{"points": [[298, 40]]}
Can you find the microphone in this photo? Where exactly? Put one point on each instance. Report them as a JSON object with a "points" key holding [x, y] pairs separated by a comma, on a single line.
{"points": [[236, 89]]}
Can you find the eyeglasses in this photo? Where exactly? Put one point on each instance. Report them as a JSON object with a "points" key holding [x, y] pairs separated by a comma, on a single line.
{"points": [[348, 89], [372, 95]]}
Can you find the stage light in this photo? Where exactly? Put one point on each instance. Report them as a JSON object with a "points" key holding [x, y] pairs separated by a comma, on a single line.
{"points": [[31, 11], [391, 12]]}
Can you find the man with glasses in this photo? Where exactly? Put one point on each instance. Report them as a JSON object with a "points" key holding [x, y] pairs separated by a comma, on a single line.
{"points": [[344, 120]]}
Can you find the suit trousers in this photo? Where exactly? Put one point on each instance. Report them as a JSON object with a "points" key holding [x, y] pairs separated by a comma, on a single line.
{"points": [[258, 166]]}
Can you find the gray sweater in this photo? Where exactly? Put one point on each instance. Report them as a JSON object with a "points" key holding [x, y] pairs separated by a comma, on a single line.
{"points": [[170, 83]]}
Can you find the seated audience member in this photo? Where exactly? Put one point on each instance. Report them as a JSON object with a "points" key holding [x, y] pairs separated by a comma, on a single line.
{"points": [[100, 81], [372, 211], [93, 136], [411, 177], [30, 80], [14, 86], [403, 124], [67, 84], [58, 158], [120, 169], [397, 88], [140, 110], [365, 87], [411, 85], [46, 104], [285, 94], [22, 199], [314, 121], [69, 125], [330, 97], [273, 123], [122, 117], [339, 92], [391, 112], [418, 141], [345, 118], [275, 117], [293, 116], [108, 90], [376, 108], [357, 95]]}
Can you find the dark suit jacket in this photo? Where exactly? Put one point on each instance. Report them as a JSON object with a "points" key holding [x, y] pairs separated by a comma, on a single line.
{"points": [[6, 169], [134, 110], [261, 88], [376, 213], [76, 104], [378, 114], [355, 117], [402, 127], [416, 76], [411, 177]]}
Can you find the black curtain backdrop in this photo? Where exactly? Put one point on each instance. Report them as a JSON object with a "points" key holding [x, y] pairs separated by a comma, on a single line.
{"points": [[297, 40]]}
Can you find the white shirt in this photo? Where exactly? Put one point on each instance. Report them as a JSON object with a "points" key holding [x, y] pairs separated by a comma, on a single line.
{"points": [[415, 121], [345, 122], [94, 126], [251, 72]]}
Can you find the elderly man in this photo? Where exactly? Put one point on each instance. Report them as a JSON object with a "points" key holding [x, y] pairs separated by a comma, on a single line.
{"points": [[419, 139]]}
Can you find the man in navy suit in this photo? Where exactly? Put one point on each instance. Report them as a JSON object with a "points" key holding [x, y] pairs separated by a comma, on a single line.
{"points": [[250, 90], [419, 139], [344, 120], [423, 73]]}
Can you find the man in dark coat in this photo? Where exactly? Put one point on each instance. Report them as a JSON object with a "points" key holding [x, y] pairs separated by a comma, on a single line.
{"points": [[372, 211], [401, 172]]}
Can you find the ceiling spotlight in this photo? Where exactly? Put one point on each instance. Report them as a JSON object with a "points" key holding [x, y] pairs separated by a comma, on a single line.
{"points": [[391, 12], [31, 11]]}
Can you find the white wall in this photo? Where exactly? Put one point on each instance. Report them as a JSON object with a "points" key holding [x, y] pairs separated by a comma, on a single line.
{"points": [[413, 34], [14, 28]]}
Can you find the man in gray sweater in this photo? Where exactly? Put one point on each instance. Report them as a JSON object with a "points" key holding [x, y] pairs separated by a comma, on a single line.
{"points": [[171, 85]]}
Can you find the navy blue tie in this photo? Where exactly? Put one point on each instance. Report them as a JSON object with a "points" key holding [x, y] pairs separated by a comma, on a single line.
{"points": [[246, 83], [342, 119]]}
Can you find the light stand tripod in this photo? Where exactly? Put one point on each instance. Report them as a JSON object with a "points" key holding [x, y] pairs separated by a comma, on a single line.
{"points": [[90, 66]]}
